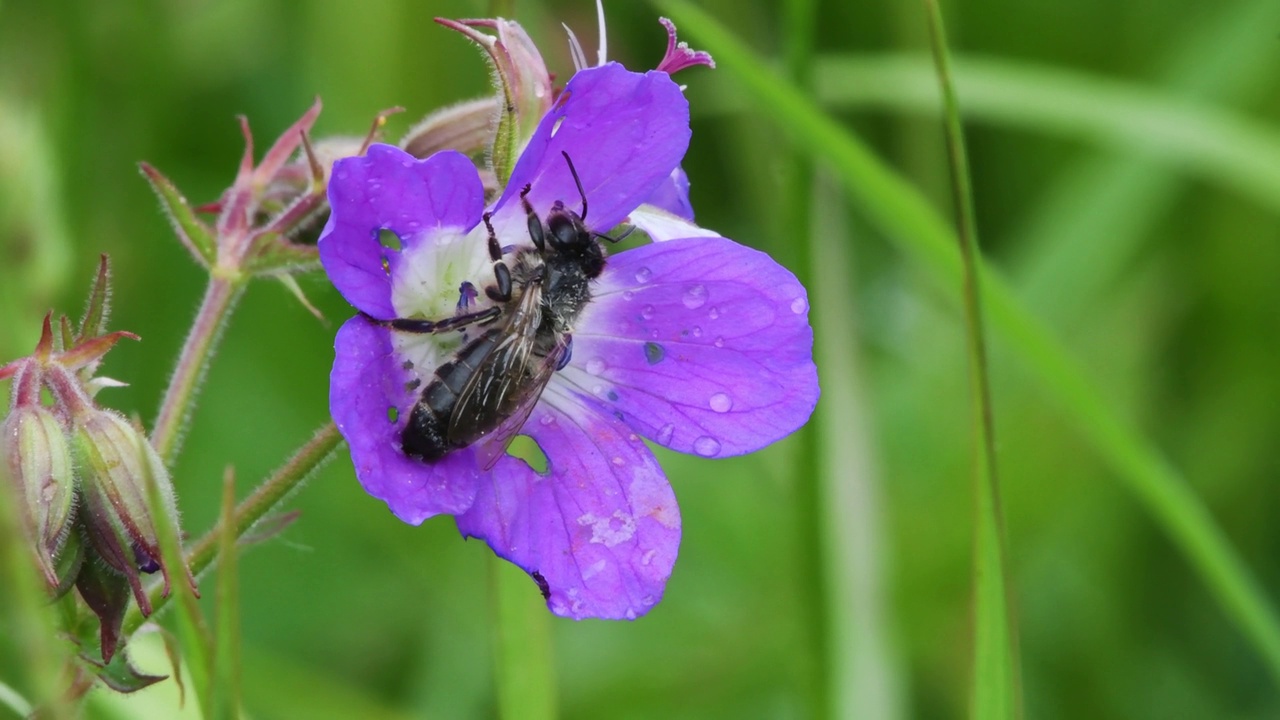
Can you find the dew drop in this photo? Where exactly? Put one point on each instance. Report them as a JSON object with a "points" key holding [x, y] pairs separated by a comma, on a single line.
{"points": [[618, 461], [628, 295], [595, 366], [713, 313], [721, 402], [375, 187], [643, 274], [664, 435], [629, 614], [547, 420], [647, 312], [799, 305], [654, 353], [598, 390], [653, 334], [647, 557], [695, 297], [719, 342], [706, 446], [697, 331]]}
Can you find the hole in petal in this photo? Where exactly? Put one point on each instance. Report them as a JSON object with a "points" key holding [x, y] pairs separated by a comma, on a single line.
{"points": [[528, 450], [388, 239], [556, 127], [393, 414], [654, 353]]}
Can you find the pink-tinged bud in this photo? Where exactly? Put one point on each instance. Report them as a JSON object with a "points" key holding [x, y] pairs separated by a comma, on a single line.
{"points": [[37, 458], [116, 463]]}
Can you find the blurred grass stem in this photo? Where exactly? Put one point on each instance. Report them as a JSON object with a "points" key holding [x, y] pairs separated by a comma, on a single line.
{"points": [[524, 659], [995, 690]]}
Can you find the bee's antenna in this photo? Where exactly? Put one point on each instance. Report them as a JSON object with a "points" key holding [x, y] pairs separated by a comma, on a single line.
{"points": [[578, 182], [625, 234]]}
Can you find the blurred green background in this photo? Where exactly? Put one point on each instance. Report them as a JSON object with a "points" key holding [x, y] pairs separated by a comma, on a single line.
{"points": [[1126, 161]]}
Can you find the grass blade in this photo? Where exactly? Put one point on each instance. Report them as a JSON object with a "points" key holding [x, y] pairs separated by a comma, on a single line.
{"points": [[523, 656], [900, 212], [996, 691], [226, 649]]}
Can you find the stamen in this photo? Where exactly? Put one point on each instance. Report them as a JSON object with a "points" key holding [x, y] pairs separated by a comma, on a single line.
{"points": [[467, 295], [575, 49], [603, 55]]}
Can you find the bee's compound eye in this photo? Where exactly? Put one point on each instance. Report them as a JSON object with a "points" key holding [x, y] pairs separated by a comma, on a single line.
{"points": [[565, 231]]}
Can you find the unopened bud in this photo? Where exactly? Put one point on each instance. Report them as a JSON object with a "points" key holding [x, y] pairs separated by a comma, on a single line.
{"points": [[35, 449], [117, 465]]}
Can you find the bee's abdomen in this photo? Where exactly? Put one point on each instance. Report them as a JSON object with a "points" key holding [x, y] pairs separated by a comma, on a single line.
{"points": [[426, 435]]}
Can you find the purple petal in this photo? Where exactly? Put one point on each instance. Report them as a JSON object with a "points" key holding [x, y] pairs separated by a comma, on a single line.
{"points": [[368, 379], [625, 132], [388, 188], [600, 531], [673, 195], [701, 344]]}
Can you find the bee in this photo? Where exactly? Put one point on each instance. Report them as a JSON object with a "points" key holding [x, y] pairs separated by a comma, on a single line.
{"points": [[484, 394]]}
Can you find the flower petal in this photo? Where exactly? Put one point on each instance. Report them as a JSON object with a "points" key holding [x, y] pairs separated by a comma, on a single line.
{"points": [[625, 132], [673, 195], [390, 189], [662, 226], [600, 531], [369, 379], [701, 344]]}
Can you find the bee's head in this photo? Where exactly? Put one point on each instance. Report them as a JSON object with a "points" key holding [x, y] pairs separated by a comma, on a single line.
{"points": [[570, 238]]}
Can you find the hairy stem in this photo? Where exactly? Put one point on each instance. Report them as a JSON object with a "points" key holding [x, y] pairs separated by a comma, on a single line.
{"points": [[267, 497], [219, 298]]}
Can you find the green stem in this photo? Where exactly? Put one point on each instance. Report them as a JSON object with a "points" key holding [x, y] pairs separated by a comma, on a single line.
{"points": [[996, 681], [269, 495], [798, 24], [524, 659], [219, 298]]}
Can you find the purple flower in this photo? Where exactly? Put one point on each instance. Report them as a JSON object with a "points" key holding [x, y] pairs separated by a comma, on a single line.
{"points": [[695, 343]]}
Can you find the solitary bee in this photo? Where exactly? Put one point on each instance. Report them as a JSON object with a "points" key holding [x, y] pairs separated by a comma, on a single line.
{"points": [[486, 392]]}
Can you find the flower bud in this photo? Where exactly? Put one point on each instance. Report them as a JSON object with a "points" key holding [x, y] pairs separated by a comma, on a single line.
{"points": [[38, 460], [117, 464]]}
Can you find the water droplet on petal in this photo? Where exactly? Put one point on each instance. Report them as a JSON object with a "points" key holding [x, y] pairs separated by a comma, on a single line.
{"points": [[697, 331], [618, 461], [719, 342], [647, 557], [721, 402], [706, 446], [628, 295], [664, 435], [799, 305], [547, 420], [595, 366], [653, 334], [654, 353], [647, 312], [695, 297], [713, 313], [643, 274], [598, 390]]}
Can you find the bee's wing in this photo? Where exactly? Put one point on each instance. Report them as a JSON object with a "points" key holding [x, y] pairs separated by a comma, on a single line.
{"points": [[509, 375], [494, 445]]}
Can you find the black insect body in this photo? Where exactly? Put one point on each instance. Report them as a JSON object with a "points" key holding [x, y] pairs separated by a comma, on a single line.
{"points": [[484, 394]]}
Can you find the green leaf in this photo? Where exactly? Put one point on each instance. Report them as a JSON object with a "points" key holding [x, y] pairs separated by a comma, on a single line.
{"points": [[194, 234], [906, 217], [120, 675]]}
